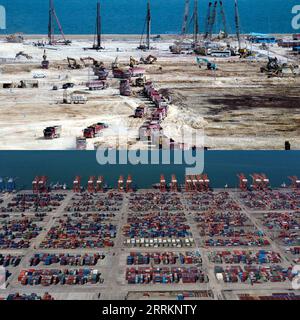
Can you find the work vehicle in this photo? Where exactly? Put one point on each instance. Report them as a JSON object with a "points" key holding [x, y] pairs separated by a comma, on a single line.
{"points": [[53, 132]]}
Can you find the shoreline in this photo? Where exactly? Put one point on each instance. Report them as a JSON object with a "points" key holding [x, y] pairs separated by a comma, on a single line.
{"points": [[121, 36]]}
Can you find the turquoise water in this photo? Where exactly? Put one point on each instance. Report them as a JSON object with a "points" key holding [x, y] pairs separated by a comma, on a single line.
{"points": [[221, 166], [127, 16]]}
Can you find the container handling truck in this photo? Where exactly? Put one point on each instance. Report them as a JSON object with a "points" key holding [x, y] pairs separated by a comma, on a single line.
{"points": [[52, 132]]}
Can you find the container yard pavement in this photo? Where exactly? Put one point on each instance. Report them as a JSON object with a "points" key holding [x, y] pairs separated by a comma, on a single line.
{"points": [[110, 281], [236, 105]]}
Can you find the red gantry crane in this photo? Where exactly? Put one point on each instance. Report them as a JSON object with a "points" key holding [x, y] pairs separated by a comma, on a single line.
{"points": [[91, 184], [76, 184], [129, 184], [295, 182], [99, 183], [243, 182], [174, 183], [121, 184], [162, 185]]}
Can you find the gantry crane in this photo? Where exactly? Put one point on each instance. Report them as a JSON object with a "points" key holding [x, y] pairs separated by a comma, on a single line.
{"points": [[99, 183], [76, 184], [162, 185], [91, 184], [243, 181]]}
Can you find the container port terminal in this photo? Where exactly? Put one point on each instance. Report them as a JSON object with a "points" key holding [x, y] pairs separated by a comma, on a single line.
{"points": [[62, 92], [171, 241]]}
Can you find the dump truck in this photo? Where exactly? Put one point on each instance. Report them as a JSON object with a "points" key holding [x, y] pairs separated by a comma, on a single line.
{"points": [[125, 88], [94, 130], [140, 112], [97, 85], [81, 143], [52, 132], [122, 74]]}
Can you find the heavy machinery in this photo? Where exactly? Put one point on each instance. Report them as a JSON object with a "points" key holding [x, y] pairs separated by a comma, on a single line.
{"points": [[125, 88], [15, 38], [89, 61], [91, 184], [133, 62], [53, 132], [51, 31], [209, 65], [243, 182], [74, 98], [81, 143], [140, 112], [148, 60], [145, 45], [77, 184], [23, 54], [72, 64], [243, 52], [45, 62], [177, 48], [94, 130], [295, 182], [97, 85], [275, 68]]}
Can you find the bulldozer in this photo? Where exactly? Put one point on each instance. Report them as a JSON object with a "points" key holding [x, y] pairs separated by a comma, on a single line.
{"points": [[72, 64], [23, 54], [149, 60]]}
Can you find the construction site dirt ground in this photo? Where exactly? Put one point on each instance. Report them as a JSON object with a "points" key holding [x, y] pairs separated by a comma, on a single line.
{"points": [[235, 107]]}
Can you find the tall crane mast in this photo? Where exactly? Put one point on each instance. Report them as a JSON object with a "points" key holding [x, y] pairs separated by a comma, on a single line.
{"points": [[196, 22], [237, 23], [52, 16], [223, 19], [207, 22], [185, 17], [98, 46], [213, 19], [147, 26]]}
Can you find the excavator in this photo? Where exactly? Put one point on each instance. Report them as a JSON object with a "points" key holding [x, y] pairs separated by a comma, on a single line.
{"points": [[210, 65], [276, 69], [88, 61], [23, 54], [72, 64], [149, 60], [133, 62]]}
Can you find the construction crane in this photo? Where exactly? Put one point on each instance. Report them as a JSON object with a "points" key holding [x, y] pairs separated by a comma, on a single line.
{"points": [[244, 52], [196, 22], [225, 35], [52, 17], [147, 26], [98, 44], [207, 24], [212, 20], [210, 65]]}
